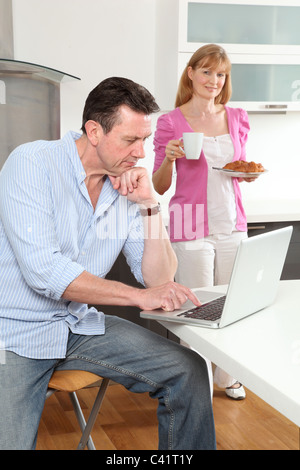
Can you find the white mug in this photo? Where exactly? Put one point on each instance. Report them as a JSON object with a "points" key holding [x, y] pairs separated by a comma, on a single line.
{"points": [[192, 142]]}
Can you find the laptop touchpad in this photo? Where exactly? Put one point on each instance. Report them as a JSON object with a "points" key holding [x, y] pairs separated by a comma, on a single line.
{"points": [[203, 296]]}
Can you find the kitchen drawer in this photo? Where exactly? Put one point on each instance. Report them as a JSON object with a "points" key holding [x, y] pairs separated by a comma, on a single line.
{"points": [[291, 269]]}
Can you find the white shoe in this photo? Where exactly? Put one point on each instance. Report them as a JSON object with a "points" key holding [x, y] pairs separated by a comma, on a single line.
{"points": [[236, 393]]}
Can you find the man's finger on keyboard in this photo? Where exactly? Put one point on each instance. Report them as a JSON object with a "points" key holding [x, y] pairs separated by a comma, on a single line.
{"points": [[191, 296]]}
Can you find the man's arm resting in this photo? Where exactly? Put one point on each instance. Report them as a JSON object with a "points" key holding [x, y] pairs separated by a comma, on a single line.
{"points": [[159, 261], [90, 289]]}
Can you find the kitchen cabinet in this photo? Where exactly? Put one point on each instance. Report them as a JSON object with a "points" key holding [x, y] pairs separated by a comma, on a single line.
{"points": [[291, 269], [251, 27], [262, 41]]}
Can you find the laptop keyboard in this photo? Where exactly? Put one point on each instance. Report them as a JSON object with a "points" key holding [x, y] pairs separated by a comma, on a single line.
{"points": [[211, 311]]}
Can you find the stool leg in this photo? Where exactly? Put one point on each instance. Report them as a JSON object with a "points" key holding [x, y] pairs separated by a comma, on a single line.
{"points": [[86, 428], [80, 419]]}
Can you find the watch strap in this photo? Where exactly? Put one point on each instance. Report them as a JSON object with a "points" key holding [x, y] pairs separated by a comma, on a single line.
{"points": [[150, 210]]}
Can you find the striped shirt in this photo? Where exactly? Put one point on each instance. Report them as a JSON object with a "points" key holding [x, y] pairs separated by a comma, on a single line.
{"points": [[49, 234]]}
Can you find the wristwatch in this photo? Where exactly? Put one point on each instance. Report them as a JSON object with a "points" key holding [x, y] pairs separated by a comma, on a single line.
{"points": [[150, 210]]}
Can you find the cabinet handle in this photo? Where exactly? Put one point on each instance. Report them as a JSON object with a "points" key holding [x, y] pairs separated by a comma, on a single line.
{"points": [[257, 227], [276, 106]]}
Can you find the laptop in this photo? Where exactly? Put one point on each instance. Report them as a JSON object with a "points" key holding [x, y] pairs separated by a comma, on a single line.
{"points": [[253, 285]]}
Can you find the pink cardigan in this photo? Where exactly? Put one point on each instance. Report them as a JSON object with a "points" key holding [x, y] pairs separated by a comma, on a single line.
{"points": [[188, 206]]}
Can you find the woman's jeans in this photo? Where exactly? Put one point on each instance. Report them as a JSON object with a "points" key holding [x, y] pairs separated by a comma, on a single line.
{"points": [[128, 354]]}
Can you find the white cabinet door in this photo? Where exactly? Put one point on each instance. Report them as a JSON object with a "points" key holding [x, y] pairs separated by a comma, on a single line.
{"points": [[262, 39], [250, 27]]}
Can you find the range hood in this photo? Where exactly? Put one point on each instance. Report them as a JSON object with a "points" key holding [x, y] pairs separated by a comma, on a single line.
{"points": [[29, 94], [17, 67], [6, 29], [7, 63]]}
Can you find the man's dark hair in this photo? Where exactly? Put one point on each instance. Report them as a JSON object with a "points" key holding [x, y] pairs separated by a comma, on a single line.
{"points": [[103, 103]]}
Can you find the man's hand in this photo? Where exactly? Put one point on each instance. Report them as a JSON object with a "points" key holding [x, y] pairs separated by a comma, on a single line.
{"points": [[169, 296], [135, 185]]}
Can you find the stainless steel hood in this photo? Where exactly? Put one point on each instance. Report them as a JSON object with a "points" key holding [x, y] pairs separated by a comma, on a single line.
{"points": [[6, 30], [29, 93]]}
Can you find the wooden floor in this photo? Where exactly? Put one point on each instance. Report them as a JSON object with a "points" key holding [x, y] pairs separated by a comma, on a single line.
{"points": [[128, 421]]}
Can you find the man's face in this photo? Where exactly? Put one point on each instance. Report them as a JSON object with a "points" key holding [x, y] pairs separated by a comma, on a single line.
{"points": [[123, 146]]}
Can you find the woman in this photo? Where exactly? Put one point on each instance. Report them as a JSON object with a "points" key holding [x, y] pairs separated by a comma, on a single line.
{"points": [[207, 219]]}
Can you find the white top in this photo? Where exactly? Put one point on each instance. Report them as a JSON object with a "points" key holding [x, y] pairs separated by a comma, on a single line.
{"points": [[221, 206]]}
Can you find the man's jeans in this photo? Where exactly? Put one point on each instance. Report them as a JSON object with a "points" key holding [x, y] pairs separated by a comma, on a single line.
{"points": [[128, 354]]}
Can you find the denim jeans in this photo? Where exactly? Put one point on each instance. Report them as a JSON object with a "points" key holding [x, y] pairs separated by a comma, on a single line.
{"points": [[133, 356]]}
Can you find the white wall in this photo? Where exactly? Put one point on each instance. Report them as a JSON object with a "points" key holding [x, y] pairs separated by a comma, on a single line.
{"points": [[91, 39], [94, 39]]}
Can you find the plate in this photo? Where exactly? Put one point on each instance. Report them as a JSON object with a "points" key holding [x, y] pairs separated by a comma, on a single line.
{"points": [[240, 174]]}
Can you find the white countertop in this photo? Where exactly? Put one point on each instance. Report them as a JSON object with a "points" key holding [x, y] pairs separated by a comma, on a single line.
{"points": [[280, 210], [260, 211]]}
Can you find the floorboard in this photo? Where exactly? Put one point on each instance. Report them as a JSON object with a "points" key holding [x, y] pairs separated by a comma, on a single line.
{"points": [[127, 421]]}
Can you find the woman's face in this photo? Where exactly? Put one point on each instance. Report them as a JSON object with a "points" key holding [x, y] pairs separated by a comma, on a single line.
{"points": [[207, 82]]}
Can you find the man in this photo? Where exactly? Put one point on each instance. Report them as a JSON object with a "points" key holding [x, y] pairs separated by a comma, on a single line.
{"points": [[67, 209]]}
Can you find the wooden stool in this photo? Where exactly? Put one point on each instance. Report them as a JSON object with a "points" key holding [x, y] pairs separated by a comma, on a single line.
{"points": [[71, 381]]}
